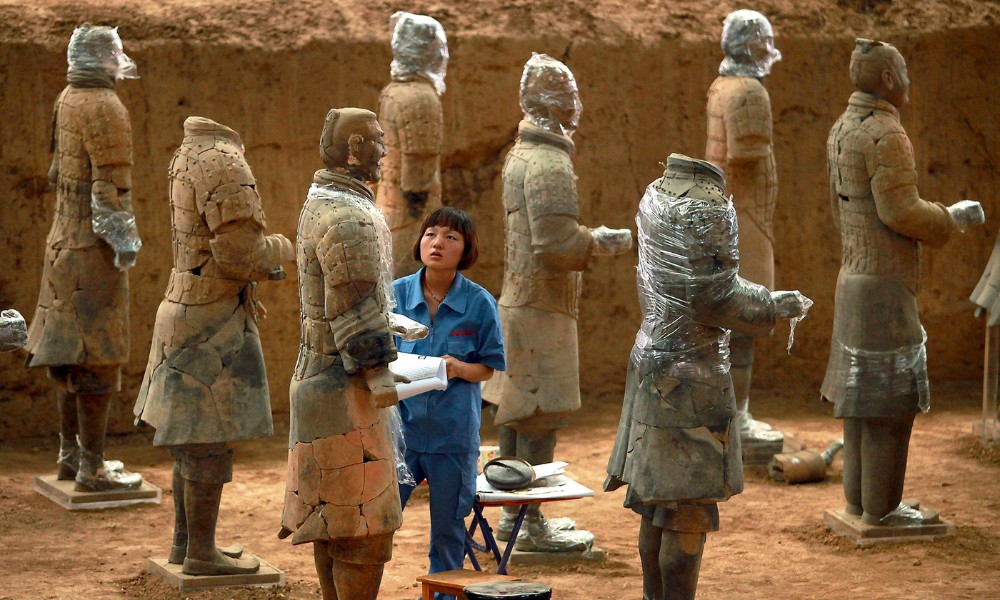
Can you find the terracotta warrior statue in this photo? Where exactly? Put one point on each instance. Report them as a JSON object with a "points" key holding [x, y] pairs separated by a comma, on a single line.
{"points": [[205, 383], [80, 331], [341, 493], [547, 249], [739, 142], [410, 111], [877, 373], [678, 448]]}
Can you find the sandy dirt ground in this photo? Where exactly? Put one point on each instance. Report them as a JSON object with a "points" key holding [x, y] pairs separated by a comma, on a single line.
{"points": [[772, 543]]}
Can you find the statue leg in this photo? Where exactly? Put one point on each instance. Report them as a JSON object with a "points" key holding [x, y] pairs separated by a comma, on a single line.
{"points": [[324, 569], [356, 581], [178, 550], [355, 565], [852, 465], [741, 355], [537, 447], [680, 563], [885, 442], [94, 474], [650, 537], [69, 447], [205, 469]]}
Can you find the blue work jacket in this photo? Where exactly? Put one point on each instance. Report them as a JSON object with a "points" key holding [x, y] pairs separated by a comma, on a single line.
{"points": [[466, 326]]}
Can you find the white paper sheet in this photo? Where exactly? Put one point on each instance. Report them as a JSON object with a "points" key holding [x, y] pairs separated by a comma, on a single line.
{"points": [[426, 373]]}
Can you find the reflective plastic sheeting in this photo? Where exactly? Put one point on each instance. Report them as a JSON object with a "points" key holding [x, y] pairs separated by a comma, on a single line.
{"points": [[688, 279], [550, 98], [320, 192], [748, 41], [419, 47], [99, 48]]}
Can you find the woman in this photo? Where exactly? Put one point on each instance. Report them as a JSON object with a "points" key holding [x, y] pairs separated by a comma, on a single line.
{"points": [[441, 428]]}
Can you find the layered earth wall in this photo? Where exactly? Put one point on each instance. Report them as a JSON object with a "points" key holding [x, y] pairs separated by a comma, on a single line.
{"points": [[643, 91]]}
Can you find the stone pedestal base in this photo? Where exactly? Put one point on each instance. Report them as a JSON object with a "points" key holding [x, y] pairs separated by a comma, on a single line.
{"points": [[525, 559], [267, 576], [863, 534], [63, 494]]}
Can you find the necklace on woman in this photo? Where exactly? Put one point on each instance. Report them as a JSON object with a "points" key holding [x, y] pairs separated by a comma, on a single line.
{"points": [[438, 299]]}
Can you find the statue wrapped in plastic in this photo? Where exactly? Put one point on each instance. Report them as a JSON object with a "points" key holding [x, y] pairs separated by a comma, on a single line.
{"points": [[341, 492], [877, 373], [80, 330], [409, 110], [740, 143], [678, 443], [205, 383], [547, 249]]}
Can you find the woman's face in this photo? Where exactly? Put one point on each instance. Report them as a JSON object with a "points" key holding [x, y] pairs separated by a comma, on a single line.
{"points": [[441, 248]]}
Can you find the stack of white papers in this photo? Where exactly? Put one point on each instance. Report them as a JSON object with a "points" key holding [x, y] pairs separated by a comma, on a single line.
{"points": [[426, 373]]}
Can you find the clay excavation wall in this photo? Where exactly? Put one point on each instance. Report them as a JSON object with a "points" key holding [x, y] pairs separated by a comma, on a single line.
{"points": [[644, 97]]}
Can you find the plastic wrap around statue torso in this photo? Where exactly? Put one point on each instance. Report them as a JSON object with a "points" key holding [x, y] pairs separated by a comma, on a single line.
{"points": [[690, 245]]}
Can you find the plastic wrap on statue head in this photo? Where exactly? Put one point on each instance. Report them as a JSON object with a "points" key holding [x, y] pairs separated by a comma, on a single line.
{"points": [[419, 48], [549, 96], [688, 267], [748, 41], [98, 48]]}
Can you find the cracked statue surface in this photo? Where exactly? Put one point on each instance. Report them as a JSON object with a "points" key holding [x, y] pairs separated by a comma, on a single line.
{"points": [[678, 443], [80, 330], [877, 372], [546, 251], [205, 383], [740, 142], [409, 110], [341, 492]]}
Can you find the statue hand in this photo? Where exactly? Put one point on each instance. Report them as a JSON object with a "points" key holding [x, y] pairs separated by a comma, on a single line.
{"points": [[382, 383], [967, 213], [608, 242], [790, 305]]}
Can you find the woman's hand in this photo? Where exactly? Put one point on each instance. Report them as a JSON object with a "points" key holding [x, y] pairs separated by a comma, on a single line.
{"points": [[471, 372]]}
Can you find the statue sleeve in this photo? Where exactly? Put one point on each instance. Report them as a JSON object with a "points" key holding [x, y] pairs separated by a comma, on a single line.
{"points": [[107, 138], [233, 212], [718, 295], [349, 258], [894, 186], [557, 237], [749, 124], [420, 130]]}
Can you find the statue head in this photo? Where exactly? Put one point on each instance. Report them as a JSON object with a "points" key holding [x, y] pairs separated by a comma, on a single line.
{"points": [[99, 48], [878, 69], [419, 48], [549, 96], [748, 41], [351, 143]]}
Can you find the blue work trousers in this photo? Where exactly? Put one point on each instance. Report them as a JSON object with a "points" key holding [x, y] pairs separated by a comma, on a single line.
{"points": [[452, 481]]}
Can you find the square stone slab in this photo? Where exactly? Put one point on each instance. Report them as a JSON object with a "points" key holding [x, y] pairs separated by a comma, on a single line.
{"points": [[864, 534], [267, 576], [62, 493], [526, 559]]}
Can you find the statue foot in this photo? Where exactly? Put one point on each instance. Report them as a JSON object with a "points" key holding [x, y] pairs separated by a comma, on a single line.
{"points": [[539, 537], [903, 516], [93, 476], [222, 565], [69, 460], [506, 525], [178, 552], [752, 430]]}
